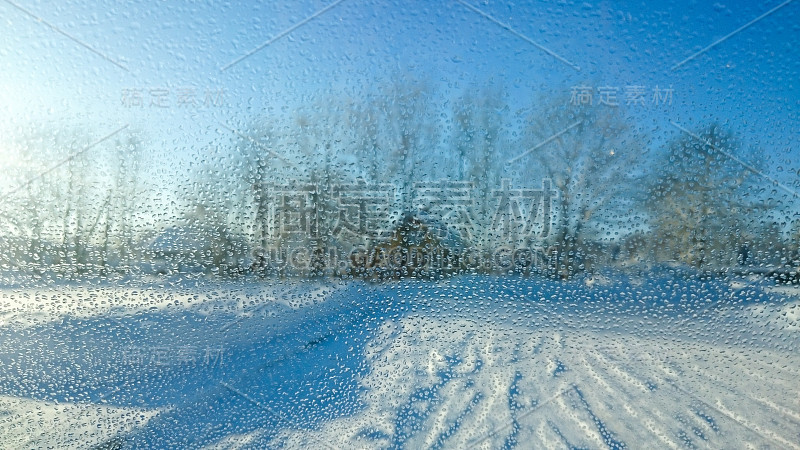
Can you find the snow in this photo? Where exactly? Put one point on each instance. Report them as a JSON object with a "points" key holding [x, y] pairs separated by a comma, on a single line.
{"points": [[468, 362], [478, 385], [26, 423]]}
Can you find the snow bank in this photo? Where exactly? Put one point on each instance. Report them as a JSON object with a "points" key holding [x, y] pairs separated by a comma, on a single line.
{"points": [[471, 384], [26, 423], [469, 362], [25, 307]]}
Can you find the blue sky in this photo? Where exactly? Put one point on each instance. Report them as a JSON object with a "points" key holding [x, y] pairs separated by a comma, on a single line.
{"points": [[749, 80]]}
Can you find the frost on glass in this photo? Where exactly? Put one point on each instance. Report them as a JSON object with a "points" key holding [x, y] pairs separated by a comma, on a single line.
{"points": [[358, 225]]}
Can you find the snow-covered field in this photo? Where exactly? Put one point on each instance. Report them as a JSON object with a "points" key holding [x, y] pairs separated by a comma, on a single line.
{"points": [[468, 362]]}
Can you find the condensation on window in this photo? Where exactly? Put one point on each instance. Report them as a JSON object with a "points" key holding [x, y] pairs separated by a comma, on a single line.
{"points": [[359, 224]]}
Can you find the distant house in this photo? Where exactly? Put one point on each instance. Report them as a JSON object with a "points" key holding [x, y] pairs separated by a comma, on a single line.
{"points": [[419, 247]]}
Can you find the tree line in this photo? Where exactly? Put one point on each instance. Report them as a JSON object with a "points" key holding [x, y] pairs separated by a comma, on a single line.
{"points": [[620, 200]]}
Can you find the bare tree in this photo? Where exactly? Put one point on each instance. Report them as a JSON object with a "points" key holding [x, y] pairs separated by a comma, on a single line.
{"points": [[704, 204], [477, 145], [73, 215], [401, 131], [121, 225], [594, 162]]}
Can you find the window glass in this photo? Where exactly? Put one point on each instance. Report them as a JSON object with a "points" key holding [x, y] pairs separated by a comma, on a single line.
{"points": [[363, 224]]}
